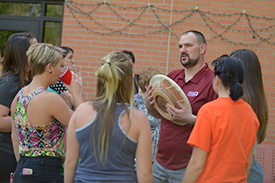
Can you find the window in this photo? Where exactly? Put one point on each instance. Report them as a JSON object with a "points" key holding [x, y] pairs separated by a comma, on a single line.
{"points": [[20, 9], [43, 18]]}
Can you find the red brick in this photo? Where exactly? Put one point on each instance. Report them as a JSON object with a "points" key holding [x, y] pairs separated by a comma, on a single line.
{"points": [[153, 49]]}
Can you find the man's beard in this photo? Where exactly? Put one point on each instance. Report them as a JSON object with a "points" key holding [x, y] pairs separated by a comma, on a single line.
{"points": [[188, 63]]}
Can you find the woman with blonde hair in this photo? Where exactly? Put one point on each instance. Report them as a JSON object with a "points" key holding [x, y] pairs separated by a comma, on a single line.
{"points": [[68, 61], [37, 124], [107, 133]]}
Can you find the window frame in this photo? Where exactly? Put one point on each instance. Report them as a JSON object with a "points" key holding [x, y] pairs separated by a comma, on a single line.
{"points": [[42, 19]]}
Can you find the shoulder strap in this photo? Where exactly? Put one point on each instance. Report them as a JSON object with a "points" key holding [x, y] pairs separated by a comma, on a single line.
{"points": [[22, 102], [27, 98]]}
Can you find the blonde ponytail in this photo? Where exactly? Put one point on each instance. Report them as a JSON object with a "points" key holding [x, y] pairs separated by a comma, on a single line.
{"points": [[115, 85]]}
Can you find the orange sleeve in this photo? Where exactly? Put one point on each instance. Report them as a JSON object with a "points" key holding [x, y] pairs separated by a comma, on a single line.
{"points": [[201, 135]]}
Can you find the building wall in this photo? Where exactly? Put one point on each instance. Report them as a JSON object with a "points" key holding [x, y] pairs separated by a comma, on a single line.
{"points": [[151, 31]]}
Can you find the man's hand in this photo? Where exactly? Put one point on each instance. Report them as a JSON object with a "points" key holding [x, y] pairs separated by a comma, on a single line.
{"points": [[149, 102], [148, 95], [182, 114]]}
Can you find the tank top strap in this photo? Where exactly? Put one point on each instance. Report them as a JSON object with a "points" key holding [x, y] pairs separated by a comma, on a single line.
{"points": [[27, 98], [23, 100], [37, 140], [120, 108]]}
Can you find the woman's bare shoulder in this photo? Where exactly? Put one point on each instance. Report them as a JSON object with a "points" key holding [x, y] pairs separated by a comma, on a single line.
{"points": [[49, 96], [85, 106], [139, 116], [84, 109], [83, 114]]}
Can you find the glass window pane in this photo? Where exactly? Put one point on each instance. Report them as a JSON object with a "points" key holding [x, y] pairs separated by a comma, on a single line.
{"points": [[54, 10], [52, 33], [20, 9]]}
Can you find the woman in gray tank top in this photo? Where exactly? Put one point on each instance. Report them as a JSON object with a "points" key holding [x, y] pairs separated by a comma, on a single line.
{"points": [[106, 134]]}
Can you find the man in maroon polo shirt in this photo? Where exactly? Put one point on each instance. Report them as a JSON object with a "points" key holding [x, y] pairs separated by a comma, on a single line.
{"points": [[195, 79]]}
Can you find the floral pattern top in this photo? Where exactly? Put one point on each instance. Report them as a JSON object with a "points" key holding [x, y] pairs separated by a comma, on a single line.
{"points": [[154, 123], [44, 140]]}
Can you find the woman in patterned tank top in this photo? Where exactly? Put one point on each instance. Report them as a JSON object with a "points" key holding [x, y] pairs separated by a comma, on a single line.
{"points": [[39, 118]]}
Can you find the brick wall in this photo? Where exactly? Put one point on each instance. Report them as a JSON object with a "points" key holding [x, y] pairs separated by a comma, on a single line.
{"points": [[156, 46]]}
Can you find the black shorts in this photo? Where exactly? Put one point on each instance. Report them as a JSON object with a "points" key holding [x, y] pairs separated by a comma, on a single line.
{"points": [[38, 169]]}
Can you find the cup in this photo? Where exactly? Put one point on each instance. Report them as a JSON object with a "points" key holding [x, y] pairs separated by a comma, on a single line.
{"points": [[66, 76]]}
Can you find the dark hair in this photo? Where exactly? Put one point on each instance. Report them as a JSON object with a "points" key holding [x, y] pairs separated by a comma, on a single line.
{"points": [[67, 50], [253, 88], [2, 55], [1, 52], [231, 72], [131, 54], [200, 37], [15, 60]]}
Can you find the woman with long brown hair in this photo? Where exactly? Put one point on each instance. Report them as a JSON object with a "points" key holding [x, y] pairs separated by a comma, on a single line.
{"points": [[15, 75], [254, 95]]}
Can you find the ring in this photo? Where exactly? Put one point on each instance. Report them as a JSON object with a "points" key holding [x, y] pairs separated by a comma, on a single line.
{"points": [[172, 115]]}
